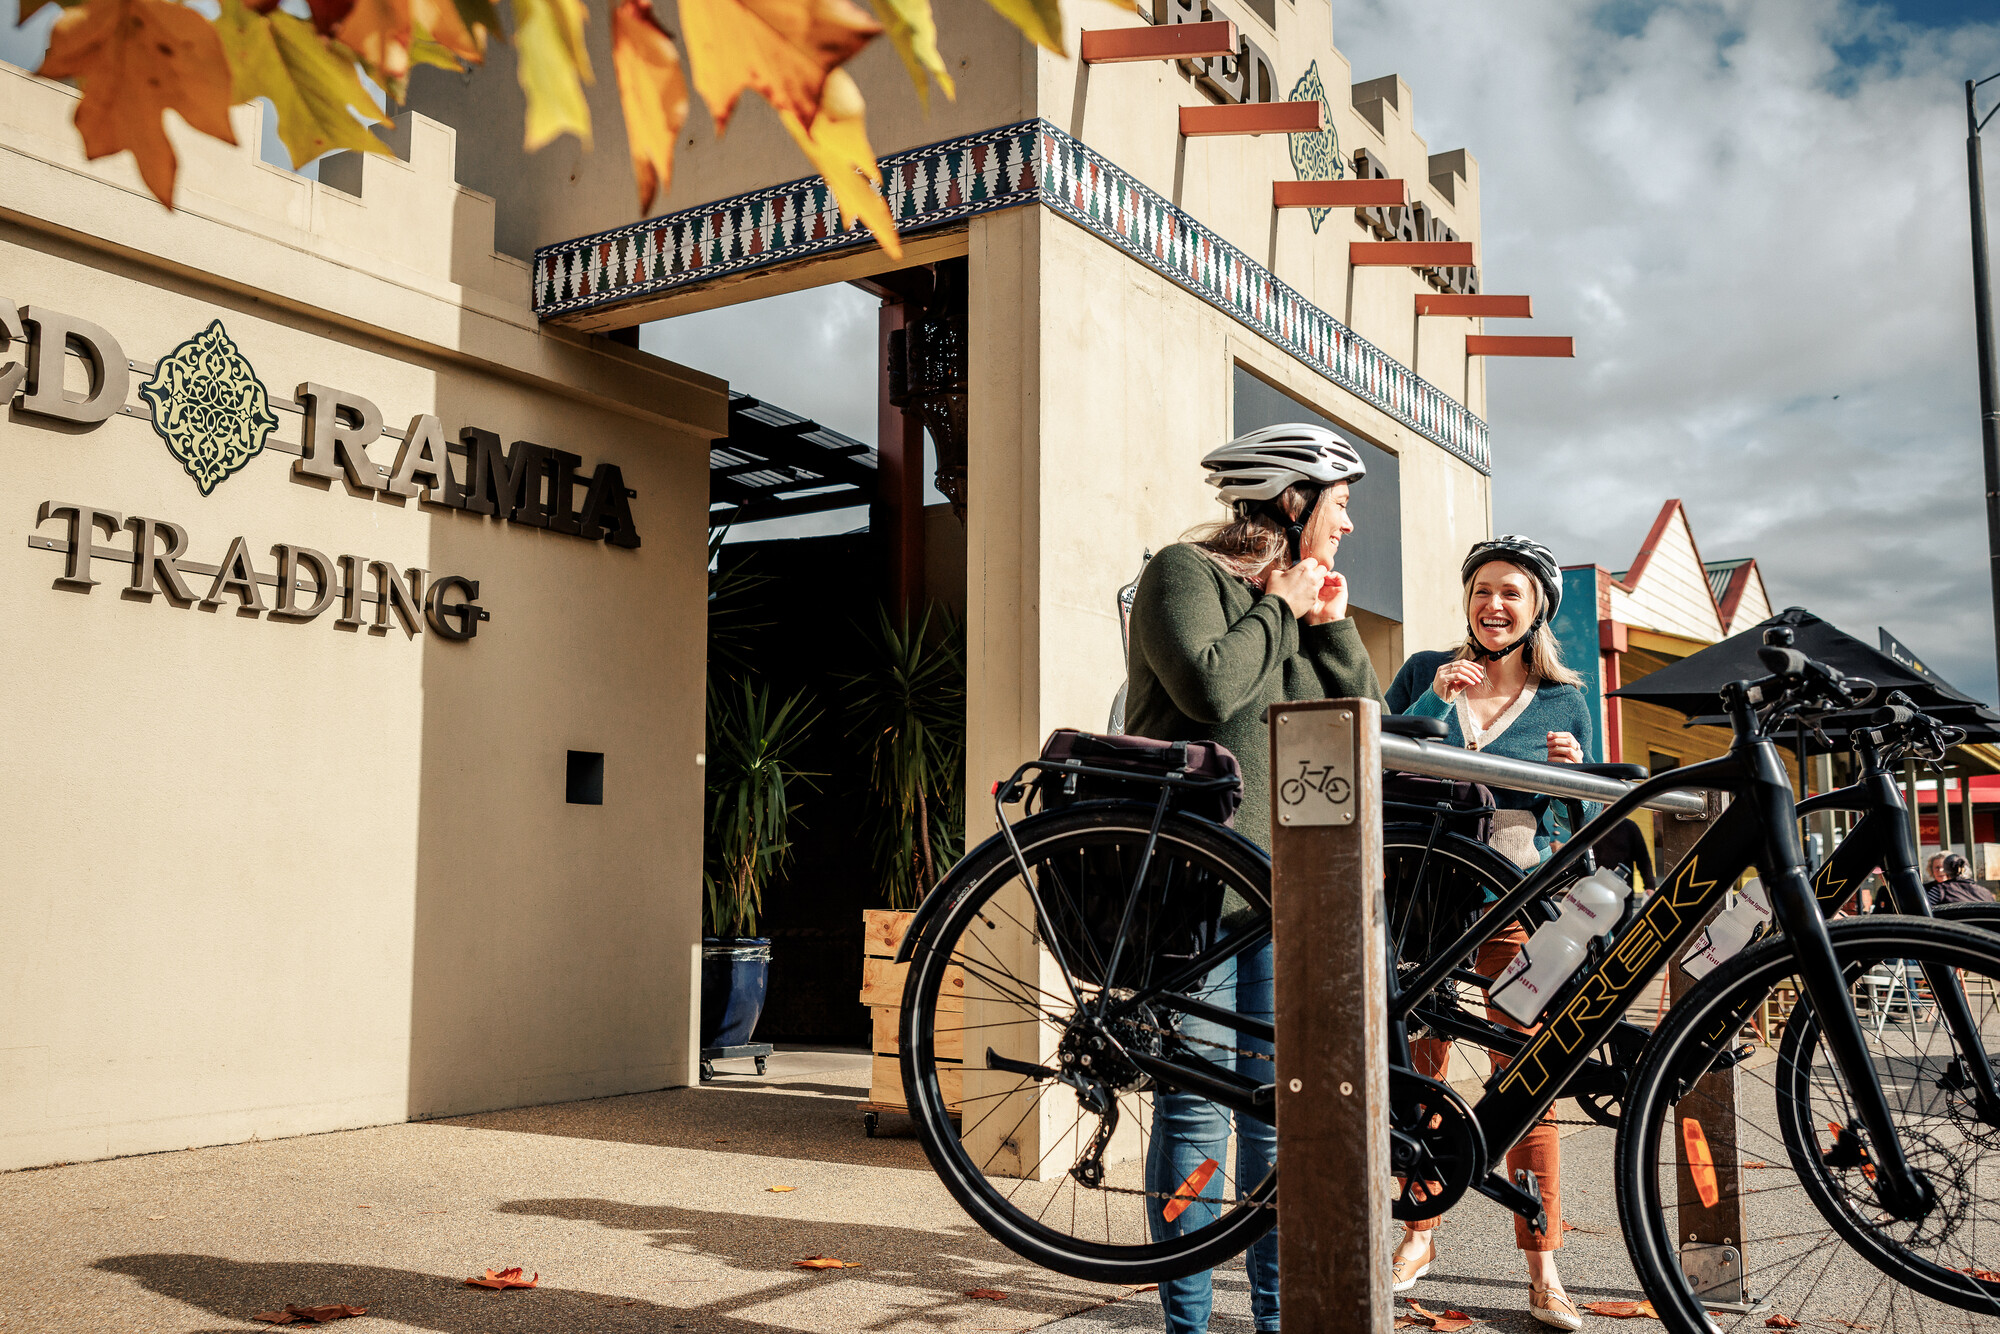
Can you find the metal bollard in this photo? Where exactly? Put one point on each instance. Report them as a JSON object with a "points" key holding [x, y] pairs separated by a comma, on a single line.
{"points": [[1711, 1239], [1329, 955]]}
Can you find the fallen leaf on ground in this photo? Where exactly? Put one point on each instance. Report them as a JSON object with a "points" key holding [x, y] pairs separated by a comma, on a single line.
{"points": [[987, 1294], [1568, 1226], [1781, 1322], [317, 1315], [504, 1278], [364, 1206], [1753, 1165], [1983, 1275], [154, 1218], [780, 1190], [825, 1262], [1150, 1287], [1623, 1310]]}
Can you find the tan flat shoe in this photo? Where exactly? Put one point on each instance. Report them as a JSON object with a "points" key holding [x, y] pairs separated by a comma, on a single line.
{"points": [[1407, 1269], [1552, 1306]]}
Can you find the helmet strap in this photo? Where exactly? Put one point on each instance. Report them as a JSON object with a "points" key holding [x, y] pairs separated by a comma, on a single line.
{"points": [[1484, 654], [1295, 529]]}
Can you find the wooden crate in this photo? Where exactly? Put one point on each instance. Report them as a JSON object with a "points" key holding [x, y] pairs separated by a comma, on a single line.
{"points": [[882, 991]]}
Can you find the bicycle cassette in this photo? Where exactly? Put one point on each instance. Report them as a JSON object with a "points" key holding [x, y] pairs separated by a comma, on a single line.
{"points": [[1435, 1146]]}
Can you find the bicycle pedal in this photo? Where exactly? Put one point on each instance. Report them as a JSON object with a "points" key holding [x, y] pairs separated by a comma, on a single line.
{"points": [[1523, 1196]]}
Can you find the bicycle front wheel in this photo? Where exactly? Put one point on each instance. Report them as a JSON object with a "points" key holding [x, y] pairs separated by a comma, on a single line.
{"points": [[1788, 1166], [1069, 1150]]}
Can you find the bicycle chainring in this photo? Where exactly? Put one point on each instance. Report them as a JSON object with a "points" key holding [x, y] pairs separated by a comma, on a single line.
{"points": [[1436, 1147]]}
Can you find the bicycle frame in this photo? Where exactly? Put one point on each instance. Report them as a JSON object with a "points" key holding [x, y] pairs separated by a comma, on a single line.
{"points": [[1757, 829]]}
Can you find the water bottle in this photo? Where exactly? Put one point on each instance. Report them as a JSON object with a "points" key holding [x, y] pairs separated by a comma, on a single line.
{"points": [[1729, 932], [1558, 948]]}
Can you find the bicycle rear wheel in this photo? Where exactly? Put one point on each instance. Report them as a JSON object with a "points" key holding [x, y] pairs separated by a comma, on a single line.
{"points": [[1068, 1152], [1790, 1161]]}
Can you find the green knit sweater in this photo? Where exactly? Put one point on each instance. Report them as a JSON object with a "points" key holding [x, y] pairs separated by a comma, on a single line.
{"points": [[1210, 653]]}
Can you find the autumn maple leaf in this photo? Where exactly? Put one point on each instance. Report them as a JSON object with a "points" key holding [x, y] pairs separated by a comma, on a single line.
{"points": [[137, 60], [783, 49], [653, 91], [837, 144]]}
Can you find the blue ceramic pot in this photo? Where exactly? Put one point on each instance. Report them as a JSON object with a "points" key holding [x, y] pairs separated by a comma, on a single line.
{"points": [[735, 974]]}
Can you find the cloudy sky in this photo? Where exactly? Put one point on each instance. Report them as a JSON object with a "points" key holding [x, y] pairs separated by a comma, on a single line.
{"points": [[1752, 216]]}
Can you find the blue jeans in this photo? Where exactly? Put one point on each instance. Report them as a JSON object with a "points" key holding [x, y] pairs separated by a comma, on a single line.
{"points": [[1188, 1130]]}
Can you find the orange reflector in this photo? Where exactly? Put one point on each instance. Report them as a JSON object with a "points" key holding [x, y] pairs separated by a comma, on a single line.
{"points": [[1190, 1190], [996, 790], [1701, 1166]]}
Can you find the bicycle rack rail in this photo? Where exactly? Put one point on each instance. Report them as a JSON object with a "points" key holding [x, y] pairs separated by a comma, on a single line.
{"points": [[1332, 1014]]}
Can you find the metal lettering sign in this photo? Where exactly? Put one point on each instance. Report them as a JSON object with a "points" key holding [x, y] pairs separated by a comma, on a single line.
{"points": [[1313, 768]]}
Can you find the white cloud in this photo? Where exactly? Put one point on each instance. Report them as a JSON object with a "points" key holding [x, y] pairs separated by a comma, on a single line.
{"points": [[1737, 224]]}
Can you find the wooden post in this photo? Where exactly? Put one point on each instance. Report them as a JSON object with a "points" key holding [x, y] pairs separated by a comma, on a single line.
{"points": [[1332, 1016], [1710, 1237], [896, 511]]}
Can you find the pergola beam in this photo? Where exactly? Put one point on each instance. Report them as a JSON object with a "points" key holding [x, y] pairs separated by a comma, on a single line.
{"points": [[1300, 117], [1505, 345], [1340, 194], [1479, 306], [1167, 41], [1410, 254]]}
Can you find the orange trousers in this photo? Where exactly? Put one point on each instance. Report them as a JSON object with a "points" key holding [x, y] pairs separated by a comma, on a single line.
{"points": [[1540, 1150]]}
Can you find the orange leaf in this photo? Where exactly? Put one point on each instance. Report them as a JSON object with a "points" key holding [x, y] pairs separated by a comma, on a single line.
{"points": [[1191, 1189], [780, 1190], [1701, 1166], [504, 1278], [826, 1262], [137, 60], [1753, 1164], [1622, 1310], [317, 1315], [654, 93], [382, 31], [1781, 1322], [987, 1294], [783, 49], [1450, 1323]]}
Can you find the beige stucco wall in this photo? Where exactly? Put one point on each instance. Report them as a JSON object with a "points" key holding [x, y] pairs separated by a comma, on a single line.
{"points": [[267, 878]]}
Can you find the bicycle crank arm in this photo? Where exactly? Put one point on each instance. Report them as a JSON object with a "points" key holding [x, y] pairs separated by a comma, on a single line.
{"points": [[1527, 1202], [995, 1061]]}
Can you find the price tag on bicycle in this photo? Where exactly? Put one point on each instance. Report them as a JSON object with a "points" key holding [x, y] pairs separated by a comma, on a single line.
{"points": [[1315, 767]]}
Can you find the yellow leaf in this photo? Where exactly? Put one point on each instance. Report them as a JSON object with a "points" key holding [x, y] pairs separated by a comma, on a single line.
{"points": [[548, 37], [784, 49], [838, 147], [425, 51], [653, 91], [1040, 21], [137, 60], [317, 93], [780, 1190], [913, 31]]}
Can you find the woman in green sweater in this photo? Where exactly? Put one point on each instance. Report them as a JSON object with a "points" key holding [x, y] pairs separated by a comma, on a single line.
{"points": [[1245, 613], [1505, 690]]}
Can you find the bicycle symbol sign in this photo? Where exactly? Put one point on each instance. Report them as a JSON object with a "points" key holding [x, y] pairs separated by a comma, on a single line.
{"points": [[1314, 766]]}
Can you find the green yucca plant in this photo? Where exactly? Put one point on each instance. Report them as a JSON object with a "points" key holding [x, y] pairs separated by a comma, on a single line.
{"points": [[752, 777], [908, 709]]}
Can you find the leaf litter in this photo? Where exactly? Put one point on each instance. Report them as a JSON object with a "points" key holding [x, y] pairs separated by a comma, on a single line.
{"points": [[504, 1278], [316, 1315]]}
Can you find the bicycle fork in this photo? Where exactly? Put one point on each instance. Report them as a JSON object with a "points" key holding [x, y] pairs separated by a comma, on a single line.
{"points": [[1904, 1191]]}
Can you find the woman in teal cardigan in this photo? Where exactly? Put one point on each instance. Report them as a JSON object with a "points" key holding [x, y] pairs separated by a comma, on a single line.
{"points": [[1505, 690]]}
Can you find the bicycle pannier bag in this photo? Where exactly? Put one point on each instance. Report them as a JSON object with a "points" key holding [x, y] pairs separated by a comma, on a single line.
{"points": [[1177, 914]]}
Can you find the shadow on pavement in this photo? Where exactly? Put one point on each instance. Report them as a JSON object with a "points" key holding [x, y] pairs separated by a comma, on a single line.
{"points": [[236, 1290], [954, 1258], [811, 1129]]}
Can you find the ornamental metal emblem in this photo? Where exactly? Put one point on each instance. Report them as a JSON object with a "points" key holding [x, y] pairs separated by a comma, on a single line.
{"points": [[209, 406], [1316, 157]]}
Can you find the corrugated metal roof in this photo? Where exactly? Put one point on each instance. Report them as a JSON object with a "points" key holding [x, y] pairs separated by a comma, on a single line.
{"points": [[775, 463]]}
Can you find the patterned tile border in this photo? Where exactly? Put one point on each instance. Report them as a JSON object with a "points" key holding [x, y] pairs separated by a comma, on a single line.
{"points": [[1033, 162]]}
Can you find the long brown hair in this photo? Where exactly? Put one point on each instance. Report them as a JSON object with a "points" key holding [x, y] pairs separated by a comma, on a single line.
{"points": [[1250, 541]]}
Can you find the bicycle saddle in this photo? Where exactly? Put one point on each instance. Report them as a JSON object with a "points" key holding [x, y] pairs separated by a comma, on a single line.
{"points": [[1625, 773], [1409, 725]]}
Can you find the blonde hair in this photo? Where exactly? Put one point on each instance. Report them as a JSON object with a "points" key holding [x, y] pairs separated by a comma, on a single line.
{"points": [[1250, 541], [1544, 652]]}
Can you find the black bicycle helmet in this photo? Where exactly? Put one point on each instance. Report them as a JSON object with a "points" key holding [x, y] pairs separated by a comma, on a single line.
{"points": [[1531, 556]]}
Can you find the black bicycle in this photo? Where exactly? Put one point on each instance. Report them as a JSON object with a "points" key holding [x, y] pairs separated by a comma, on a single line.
{"points": [[1097, 967]]}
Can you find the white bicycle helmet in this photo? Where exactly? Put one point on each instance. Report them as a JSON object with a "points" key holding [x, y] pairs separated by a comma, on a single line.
{"points": [[1259, 466], [1540, 564]]}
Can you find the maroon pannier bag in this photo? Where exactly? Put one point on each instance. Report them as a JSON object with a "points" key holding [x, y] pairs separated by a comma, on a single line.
{"points": [[1143, 758]]}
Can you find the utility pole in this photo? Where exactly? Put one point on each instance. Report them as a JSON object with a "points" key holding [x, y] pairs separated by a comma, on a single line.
{"points": [[1989, 377]]}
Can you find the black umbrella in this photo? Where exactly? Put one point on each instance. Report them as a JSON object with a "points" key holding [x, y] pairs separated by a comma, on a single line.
{"points": [[1690, 685]]}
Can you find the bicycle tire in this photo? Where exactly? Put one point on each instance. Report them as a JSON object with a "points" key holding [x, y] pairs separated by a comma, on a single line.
{"points": [[986, 872], [1649, 1220]]}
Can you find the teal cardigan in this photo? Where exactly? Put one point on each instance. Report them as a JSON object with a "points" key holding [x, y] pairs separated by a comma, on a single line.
{"points": [[1555, 708]]}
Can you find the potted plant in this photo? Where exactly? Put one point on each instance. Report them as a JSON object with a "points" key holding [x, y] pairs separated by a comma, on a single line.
{"points": [[751, 802], [907, 710]]}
